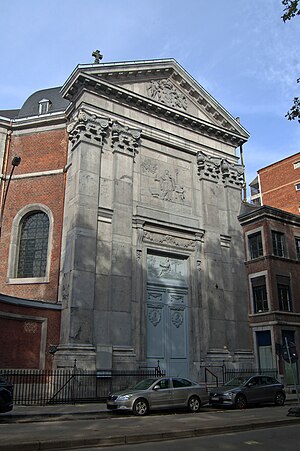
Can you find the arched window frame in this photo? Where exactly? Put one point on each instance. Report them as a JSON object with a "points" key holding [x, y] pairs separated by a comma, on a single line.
{"points": [[14, 245]]}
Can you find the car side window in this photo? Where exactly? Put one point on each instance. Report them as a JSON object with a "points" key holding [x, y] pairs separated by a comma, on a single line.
{"points": [[177, 383], [255, 381], [164, 383]]}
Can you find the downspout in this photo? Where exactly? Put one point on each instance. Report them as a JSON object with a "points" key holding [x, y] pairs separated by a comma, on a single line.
{"points": [[244, 187], [5, 164]]}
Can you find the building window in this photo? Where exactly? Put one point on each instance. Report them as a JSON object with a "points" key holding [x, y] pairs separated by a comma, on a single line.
{"points": [[259, 292], [278, 243], [297, 242], [44, 106], [255, 245], [297, 165], [33, 245], [297, 186], [284, 293]]}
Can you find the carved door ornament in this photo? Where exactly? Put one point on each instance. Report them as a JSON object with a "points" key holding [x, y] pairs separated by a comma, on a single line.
{"points": [[154, 316], [177, 318]]}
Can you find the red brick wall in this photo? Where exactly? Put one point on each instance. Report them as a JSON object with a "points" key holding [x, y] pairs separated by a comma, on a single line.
{"points": [[39, 151], [276, 265], [20, 335], [277, 184]]}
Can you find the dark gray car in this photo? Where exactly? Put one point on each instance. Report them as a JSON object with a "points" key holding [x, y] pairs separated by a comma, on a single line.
{"points": [[161, 393], [6, 395], [241, 391]]}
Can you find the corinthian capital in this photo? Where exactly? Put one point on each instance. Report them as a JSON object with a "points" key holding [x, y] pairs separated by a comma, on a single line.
{"points": [[124, 139], [88, 126]]}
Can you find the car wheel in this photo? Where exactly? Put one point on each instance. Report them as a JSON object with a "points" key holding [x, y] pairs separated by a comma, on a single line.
{"points": [[240, 402], [279, 398], [140, 407], [194, 404]]}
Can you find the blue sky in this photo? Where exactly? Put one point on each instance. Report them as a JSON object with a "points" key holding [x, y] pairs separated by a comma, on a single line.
{"points": [[240, 51]]}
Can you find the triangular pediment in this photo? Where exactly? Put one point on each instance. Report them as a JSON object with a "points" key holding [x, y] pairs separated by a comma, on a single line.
{"points": [[167, 83]]}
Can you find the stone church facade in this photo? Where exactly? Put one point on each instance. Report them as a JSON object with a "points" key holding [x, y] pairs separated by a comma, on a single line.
{"points": [[151, 254]]}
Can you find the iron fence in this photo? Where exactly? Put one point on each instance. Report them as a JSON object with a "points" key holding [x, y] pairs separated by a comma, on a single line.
{"points": [[42, 387], [220, 374]]}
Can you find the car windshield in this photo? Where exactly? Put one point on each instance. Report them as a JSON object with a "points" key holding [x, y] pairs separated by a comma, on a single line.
{"points": [[237, 381], [144, 384]]}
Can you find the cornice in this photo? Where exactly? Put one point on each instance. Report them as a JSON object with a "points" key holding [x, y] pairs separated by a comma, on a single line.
{"points": [[102, 87], [36, 121], [266, 212]]}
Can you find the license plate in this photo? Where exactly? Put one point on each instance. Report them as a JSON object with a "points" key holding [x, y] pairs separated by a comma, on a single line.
{"points": [[215, 398]]}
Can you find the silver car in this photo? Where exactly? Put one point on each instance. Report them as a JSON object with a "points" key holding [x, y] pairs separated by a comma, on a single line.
{"points": [[161, 393], [241, 391]]}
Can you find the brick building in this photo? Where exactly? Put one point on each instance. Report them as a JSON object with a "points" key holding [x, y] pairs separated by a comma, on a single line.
{"points": [[278, 185], [120, 225], [272, 250], [30, 312]]}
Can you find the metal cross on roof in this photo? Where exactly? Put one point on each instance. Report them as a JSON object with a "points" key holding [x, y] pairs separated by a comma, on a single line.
{"points": [[98, 56]]}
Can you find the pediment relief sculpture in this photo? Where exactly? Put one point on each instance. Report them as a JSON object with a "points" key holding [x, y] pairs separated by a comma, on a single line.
{"points": [[164, 91]]}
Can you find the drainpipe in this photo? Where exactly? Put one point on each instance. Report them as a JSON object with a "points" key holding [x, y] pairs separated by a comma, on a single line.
{"points": [[15, 162], [5, 164], [244, 187]]}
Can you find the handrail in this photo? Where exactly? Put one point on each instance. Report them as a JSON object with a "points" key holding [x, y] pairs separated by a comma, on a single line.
{"points": [[207, 370]]}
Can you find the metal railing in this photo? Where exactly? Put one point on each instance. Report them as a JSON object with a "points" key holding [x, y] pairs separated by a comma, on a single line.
{"points": [[41, 387]]}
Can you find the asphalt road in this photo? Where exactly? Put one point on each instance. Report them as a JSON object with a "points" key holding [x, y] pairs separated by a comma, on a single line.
{"points": [[285, 438]]}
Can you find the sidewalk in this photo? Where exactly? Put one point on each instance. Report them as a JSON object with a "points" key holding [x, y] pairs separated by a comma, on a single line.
{"points": [[28, 428]]}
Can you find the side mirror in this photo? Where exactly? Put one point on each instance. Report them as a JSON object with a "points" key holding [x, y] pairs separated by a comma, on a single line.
{"points": [[156, 387]]}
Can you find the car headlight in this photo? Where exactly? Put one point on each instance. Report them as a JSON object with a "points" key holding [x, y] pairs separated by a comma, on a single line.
{"points": [[124, 397], [228, 394]]}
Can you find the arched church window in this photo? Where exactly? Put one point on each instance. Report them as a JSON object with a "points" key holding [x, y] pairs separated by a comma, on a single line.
{"points": [[33, 245]]}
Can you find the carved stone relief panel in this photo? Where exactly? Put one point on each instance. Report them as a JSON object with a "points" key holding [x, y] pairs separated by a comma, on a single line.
{"points": [[165, 92], [163, 267], [165, 182], [169, 240]]}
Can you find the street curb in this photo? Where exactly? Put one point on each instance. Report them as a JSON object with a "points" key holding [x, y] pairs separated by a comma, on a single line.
{"points": [[39, 417], [143, 438], [67, 416]]}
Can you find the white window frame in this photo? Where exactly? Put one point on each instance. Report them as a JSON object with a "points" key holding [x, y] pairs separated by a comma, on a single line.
{"points": [[297, 186], [14, 246], [254, 276], [44, 106], [297, 164]]}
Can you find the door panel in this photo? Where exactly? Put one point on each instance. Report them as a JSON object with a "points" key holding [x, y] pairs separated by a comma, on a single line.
{"points": [[167, 330]]}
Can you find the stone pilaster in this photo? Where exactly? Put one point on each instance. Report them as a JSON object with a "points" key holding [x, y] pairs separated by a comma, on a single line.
{"points": [[125, 142], [77, 280]]}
